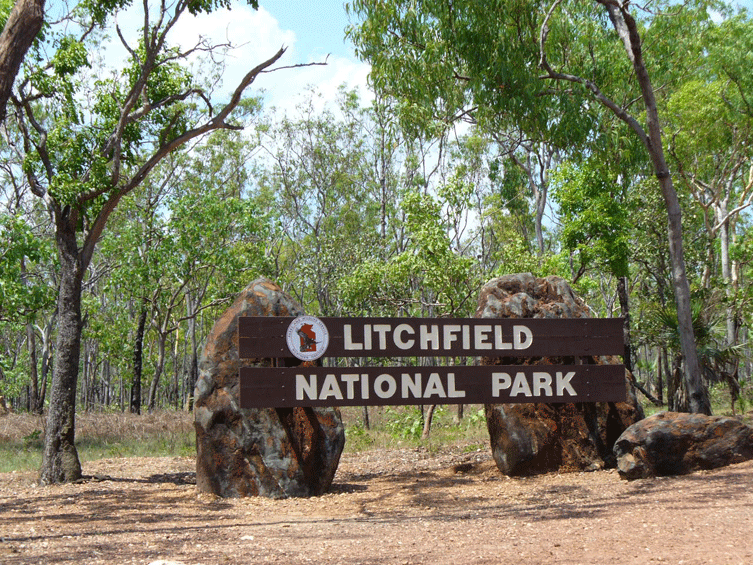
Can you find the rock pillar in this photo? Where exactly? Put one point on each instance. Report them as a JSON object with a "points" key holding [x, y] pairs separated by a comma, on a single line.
{"points": [[538, 438], [269, 452]]}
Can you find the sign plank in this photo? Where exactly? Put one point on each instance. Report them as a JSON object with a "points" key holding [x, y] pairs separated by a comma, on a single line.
{"points": [[378, 386], [264, 337]]}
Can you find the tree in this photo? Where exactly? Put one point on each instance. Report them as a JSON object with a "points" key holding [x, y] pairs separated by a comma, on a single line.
{"points": [[24, 295], [551, 69], [596, 227], [81, 161], [711, 123]]}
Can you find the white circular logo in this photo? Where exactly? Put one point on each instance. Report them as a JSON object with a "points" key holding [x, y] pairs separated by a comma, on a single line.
{"points": [[307, 338]]}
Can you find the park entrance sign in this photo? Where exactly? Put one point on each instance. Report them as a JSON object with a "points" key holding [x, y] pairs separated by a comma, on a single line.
{"points": [[307, 338]]}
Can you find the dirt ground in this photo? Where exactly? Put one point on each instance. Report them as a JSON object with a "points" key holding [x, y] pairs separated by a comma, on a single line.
{"points": [[386, 506]]}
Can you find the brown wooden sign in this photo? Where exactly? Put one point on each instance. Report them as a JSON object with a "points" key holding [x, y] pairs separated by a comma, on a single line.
{"points": [[308, 338], [376, 386], [264, 337]]}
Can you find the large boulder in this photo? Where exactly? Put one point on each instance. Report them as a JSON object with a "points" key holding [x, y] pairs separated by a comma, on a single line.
{"points": [[672, 443], [537, 438], [277, 453]]}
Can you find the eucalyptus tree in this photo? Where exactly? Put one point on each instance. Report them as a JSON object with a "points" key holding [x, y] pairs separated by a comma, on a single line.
{"points": [[27, 266], [596, 227], [711, 122], [214, 242], [133, 247], [384, 155], [90, 141], [552, 68]]}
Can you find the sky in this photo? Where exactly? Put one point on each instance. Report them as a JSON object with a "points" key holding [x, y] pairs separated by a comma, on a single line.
{"points": [[312, 31]]}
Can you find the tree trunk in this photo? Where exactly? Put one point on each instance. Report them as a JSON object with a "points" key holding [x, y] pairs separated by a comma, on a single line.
{"points": [[660, 372], [622, 293], [135, 404], [193, 366], [107, 389], [23, 25], [726, 266], [427, 421], [697, 395], [31, 337], [46, 362], [157, 371], [60, 462]]}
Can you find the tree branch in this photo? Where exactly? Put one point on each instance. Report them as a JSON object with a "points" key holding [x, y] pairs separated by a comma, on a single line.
{"points": [[214, 123]]}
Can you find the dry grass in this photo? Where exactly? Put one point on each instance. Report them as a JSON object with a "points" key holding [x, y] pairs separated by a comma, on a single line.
{"points": [[98, 435], [102, 426], [170, 433]]}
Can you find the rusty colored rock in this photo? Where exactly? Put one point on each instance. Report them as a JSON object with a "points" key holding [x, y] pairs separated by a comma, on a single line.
{"points": [[538, 438], [270, 452], [673, 443]]}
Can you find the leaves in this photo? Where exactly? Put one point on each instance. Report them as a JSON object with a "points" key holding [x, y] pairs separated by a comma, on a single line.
{"points": [[22, 292], [595, 215]]}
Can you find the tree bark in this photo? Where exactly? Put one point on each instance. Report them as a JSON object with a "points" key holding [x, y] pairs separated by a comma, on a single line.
{"points": [[161, 340], [622, 293], [428, 418], [60, 461], [722, 216], [23, 25], [659, 373], [135, 404], [31, 339], [192, 375], [46, 360], [698, 399]]}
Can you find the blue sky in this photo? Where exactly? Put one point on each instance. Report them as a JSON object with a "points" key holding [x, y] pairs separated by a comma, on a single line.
{"points": [[319, 26]]}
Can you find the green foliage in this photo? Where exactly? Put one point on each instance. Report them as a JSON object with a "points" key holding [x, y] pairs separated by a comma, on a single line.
{"points": [[714, 355], [405, 424], [33, 440], [730, 46], [595, 216], [483, 58], [321, 199], [207, 6], [14, 371], [22, 292], [357, 437], [100, 10], [429, 277]]}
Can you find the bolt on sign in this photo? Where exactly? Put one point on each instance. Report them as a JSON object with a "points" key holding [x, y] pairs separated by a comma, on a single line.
{"points": [[309, 338]]}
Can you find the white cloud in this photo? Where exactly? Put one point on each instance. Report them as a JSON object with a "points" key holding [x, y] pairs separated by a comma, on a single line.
{"points": [[255, 36]]}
